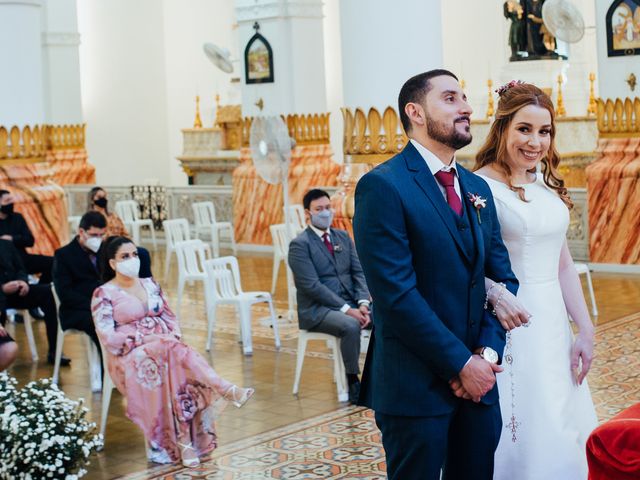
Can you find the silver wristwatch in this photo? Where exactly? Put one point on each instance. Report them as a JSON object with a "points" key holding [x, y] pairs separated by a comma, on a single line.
{"points": [[489, 354]]}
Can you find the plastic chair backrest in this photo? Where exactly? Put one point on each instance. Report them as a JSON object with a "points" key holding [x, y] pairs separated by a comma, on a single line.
{"points": [[279, 235], [296, 217], [128, 210], [176, 230], [224, 276], [191, 256], [204, 214]]}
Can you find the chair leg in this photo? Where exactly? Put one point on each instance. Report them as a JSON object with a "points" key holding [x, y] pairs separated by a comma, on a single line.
{"points": [[233, 241], [274, 323], [245, 328], [181, 282], [594, 308], [107, 387], [135, 233], [215, 241], [153, 238], [167, 264], [339, 372], [302, 347], [94, 364], [29, 330], [211, 321], [56, 364], [274, 274]]}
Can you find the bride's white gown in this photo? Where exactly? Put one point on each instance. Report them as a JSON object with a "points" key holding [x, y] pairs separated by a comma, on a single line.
{"points": [[546, 416]]}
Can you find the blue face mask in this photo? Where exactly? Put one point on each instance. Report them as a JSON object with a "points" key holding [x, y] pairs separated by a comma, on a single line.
{"points": [[322, 219]]}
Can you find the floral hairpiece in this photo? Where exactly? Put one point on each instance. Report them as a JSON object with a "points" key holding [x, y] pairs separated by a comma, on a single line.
{"points": [[507, 86]]}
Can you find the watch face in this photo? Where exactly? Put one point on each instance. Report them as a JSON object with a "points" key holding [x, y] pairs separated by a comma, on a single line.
{"points": [[490, 355]]}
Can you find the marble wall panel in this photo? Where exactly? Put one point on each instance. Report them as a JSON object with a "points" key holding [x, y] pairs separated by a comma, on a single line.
{"points": [[71, 166], [613, 183], [258, 204]]}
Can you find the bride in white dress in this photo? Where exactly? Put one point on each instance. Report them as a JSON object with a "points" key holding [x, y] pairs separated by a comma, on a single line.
{"points": [[545, 401]]}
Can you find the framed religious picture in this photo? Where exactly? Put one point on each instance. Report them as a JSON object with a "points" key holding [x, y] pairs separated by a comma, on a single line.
{"points": [[623, 28], [258, 59]]}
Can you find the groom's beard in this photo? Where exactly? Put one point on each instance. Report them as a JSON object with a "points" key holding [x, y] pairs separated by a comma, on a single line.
{"points": [[449, 136]]}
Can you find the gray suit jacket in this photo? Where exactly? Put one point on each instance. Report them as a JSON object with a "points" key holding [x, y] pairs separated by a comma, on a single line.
{"points": [[325, 282]]}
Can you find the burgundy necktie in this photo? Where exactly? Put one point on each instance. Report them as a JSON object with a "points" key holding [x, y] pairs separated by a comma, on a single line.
{"points": [[327, 243], [446, 179]]}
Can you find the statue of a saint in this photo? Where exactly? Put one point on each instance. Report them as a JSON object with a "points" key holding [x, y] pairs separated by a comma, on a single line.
{"points": [[540, 41], [517, 40]]}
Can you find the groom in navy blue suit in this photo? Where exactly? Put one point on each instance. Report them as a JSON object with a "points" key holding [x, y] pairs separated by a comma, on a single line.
{"points": [[426, 248]]}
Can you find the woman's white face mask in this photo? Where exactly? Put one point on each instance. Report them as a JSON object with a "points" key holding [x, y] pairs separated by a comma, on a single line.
{"points": [[129, 267]]}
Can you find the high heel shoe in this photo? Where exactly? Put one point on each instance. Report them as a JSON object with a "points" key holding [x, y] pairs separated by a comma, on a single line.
{"points": [[238, 396], [188, 462]]}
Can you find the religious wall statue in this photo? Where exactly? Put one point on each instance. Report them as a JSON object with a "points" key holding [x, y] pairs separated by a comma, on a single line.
{"points": [[517, 41]]}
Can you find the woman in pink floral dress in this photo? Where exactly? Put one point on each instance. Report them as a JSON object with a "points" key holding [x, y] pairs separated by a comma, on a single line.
{"points": [[172, 393]]}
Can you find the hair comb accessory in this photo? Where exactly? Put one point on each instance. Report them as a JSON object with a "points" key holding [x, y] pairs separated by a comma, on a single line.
{"points": [[507, 86]]}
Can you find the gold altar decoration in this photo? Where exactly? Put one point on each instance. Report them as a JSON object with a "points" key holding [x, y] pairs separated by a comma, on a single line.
{"points": [[229, 119], [560, 110], [372, 138], [618, 118], [490, 107], [197, 122], [592, 108], [31, 145], [310, 129]]}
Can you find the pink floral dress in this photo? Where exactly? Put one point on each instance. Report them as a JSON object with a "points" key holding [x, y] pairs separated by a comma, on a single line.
{"points": [[172, 393]]}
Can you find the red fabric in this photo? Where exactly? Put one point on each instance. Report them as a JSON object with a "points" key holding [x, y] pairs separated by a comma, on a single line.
{"points": [[446, 179], [613, 449]]}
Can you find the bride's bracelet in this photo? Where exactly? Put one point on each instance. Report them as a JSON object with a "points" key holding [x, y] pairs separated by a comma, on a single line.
{"points": [[503, 287]]}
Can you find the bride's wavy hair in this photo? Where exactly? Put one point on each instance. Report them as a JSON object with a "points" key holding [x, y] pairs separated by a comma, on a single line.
{"points": [[494, 150]]}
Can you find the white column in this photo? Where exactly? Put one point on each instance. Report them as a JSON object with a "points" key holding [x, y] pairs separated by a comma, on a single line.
{"points": [[294, 29], [384, 44], [21, 88], [61, 63]]}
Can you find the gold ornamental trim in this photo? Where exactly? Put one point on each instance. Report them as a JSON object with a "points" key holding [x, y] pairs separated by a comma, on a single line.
{"points": [[370, 137], [31, 144], [618, 118], [309, 129]]}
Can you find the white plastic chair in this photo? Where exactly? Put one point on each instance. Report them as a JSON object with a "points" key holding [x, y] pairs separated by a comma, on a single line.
{"points": [[339, 375], [583, 269], [296, 217], [223, 287], [129, 212], [204, 214], [280, 254], [28, 328], [74, 223], [191, 257], [107, 387], [92, 350], [176, 230]]}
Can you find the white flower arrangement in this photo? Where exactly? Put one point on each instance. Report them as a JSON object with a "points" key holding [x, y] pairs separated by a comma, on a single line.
{"points": [[43, 434]]}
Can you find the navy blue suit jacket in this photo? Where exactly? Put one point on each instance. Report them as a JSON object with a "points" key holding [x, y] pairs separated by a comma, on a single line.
{"points": [[428, 290]]}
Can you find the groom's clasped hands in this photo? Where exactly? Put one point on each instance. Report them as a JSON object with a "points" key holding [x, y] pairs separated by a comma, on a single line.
{"points": [[476, 378]]}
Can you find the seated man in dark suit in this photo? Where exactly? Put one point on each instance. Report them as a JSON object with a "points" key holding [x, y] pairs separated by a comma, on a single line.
{"points": [[331, 290], [15, 292], [76, 274], [14, 228]]}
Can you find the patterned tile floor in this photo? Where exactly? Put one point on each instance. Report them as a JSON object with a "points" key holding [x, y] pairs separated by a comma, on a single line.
{"points": [[345, 444]]}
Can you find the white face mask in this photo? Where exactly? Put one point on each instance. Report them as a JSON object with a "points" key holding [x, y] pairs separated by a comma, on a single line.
{"points": [[129, 267], [93, 243]]}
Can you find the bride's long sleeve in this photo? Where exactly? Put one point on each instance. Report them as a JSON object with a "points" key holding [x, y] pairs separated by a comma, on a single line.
{"points": [[572, 292]]}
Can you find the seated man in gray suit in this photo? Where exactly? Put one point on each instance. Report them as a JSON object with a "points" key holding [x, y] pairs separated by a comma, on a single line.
{"points": [[332, 293]]}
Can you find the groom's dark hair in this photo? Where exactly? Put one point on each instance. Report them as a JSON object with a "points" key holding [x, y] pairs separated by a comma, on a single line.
{"points": [[312, 195], [415, 90]]}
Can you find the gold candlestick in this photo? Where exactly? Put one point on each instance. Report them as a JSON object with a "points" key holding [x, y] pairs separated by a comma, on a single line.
{"points": [[560, 110], [463, 84], [490, 107], [197, 122], [592, 108], [215, 119]]}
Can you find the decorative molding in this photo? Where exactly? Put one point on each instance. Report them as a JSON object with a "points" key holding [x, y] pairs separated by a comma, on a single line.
{"points": [[618, 118], [311, 129], [61, 39], [372, 138], [31, 144], [278, 9]]}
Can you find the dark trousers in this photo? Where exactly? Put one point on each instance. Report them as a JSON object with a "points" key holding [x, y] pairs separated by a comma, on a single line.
{"points": [[347, 329], [462, 443], [41, 264], [39, 296]]}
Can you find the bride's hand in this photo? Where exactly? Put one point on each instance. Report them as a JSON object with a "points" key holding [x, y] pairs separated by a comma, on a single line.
{"points": [[510, 312], [582, 356]]}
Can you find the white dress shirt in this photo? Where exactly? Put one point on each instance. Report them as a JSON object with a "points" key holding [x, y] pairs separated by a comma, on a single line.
{"points": [[345, 308], [435, 165]]}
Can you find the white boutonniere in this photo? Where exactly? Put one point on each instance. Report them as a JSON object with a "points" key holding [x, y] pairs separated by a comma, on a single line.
{"points": [[478, 203]]}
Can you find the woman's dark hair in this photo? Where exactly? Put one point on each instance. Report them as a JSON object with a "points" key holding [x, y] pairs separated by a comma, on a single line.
{"points": [[91, 194], [108, 252]]}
